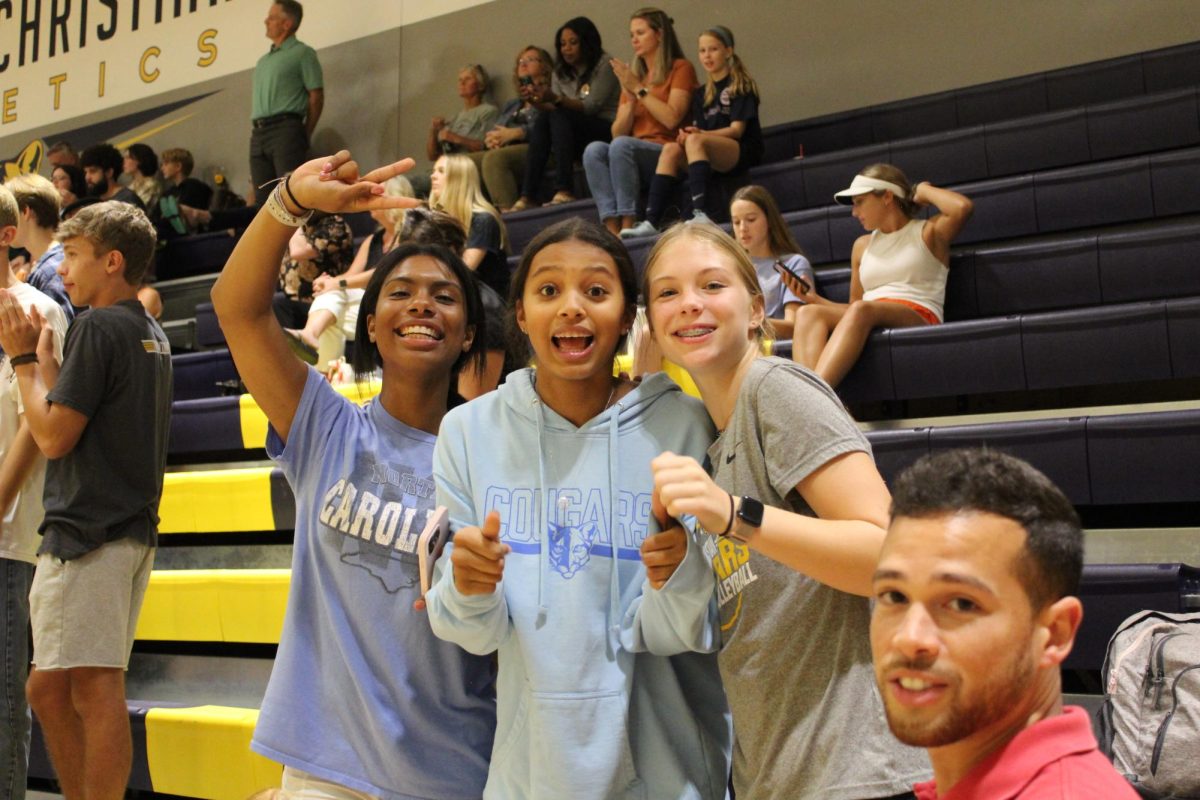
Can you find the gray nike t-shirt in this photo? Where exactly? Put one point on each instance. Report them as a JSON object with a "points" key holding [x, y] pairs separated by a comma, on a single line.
{"points": [[795, 658]]}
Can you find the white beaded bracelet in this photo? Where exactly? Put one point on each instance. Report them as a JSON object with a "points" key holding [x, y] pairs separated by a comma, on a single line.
{"points": [[279, 211]]}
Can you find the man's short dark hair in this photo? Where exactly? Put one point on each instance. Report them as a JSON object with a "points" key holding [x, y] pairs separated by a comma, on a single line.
{"points": [[956, 481], [114, 225], [293, 10], [104, 156]]}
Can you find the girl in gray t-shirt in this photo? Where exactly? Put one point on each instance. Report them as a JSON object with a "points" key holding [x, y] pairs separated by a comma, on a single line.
{"points": [[794, 555]]}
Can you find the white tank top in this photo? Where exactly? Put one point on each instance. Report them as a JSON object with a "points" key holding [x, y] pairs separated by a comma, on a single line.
{"points": [[899, 266]]}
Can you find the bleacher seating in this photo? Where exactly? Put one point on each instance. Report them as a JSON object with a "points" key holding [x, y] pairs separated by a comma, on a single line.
{"points": [[1077, 270]]}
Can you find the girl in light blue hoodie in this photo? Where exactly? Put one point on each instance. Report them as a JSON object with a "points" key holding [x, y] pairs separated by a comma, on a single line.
{"points": [[604, 622]]}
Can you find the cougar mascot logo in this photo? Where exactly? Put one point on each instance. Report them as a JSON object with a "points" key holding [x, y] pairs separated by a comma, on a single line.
{"points": [[571, 547]]}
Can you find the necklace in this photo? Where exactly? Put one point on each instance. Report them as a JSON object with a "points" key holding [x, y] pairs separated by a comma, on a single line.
{"points": [[607, 403]]}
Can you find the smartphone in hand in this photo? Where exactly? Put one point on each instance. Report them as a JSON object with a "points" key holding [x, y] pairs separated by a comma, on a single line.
{"points": [[805, 286], [430, 544]]}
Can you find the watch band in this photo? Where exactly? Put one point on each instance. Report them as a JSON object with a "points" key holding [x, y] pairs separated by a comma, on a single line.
{"points": [[342, 283], [747, 520], [642, 92]]}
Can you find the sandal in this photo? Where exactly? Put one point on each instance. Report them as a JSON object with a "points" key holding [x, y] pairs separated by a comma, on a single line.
{"points": [[522, 204], [560, 198]]}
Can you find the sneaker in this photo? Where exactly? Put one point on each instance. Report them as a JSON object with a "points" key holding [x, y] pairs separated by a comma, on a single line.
{"points": [[643, 228], [700, 218]]}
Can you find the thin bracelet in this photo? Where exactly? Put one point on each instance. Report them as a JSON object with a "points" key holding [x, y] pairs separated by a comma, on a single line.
{"points": [[276, 209], [728, 527], [287, 187], [24, 358]]}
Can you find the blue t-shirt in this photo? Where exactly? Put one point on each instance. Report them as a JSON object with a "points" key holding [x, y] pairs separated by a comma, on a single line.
{"points": [[362, 693], [776, 295], [45, 278]]}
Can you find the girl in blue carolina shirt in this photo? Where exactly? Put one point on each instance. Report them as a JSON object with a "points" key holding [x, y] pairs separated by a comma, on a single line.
{"points": [[363, 699]]}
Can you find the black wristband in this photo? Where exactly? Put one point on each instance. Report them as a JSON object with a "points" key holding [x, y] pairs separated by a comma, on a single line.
{"points": [[292, 197], [24, 358]]}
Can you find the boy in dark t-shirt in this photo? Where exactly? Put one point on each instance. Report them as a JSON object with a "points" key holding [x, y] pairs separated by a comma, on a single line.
{"points": [[102, 420]]}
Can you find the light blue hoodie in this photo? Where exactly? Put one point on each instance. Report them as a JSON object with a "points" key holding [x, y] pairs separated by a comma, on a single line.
{"points": [[592, 699]]}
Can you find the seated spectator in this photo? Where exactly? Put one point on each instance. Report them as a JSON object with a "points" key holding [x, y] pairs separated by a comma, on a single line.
{"points": [[464, 132], [322, 246], [102, 164], [69, 181], [177, 166], [657, 92], [975, 611], [578, 109], [502, 164], [898, 270], [724, 136], [181, 194], [62, 154], [140, 163], [760, 229], [333, 316], [37, 222], [455, 190]]}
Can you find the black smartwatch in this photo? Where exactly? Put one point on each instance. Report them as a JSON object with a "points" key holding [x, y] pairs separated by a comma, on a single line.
{"points": [[748, 520], [642, 92]]}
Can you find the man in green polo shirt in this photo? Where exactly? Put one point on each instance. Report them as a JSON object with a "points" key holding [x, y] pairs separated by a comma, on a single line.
{"points": [[287, 101]]}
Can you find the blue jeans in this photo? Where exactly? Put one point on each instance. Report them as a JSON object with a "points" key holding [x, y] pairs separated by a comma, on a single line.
{"points": [[616, 172], [15, 577]]}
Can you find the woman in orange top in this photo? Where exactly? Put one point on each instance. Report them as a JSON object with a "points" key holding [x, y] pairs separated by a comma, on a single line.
{"points": [[656, 91]]}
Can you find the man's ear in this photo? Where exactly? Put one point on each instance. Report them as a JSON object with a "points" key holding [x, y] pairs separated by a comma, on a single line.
{"points": [[114, 263], [1055, 629]]}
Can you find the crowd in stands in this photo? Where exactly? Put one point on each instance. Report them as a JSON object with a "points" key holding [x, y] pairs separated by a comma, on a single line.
{"points": [[638, 561]]}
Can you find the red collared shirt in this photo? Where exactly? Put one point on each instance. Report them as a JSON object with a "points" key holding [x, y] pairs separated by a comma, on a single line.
{"points": [[1055, 759]]}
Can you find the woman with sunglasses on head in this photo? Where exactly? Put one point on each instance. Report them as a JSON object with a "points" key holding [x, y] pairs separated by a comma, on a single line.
{"points": [[897, 271], [796, 513], [363, 701]]}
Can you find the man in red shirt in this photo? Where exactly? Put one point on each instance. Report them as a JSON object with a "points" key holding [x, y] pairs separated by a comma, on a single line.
{"points": [[975, 610]]}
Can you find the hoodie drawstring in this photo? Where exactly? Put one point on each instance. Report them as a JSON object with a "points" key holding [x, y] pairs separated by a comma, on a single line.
{"points": [[540, 515], [614, 589]]}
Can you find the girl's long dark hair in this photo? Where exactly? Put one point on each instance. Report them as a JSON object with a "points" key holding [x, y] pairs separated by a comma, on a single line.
{"points": [[590, 49]]}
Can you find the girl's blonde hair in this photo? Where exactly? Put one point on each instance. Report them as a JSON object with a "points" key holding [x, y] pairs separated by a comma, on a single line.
{"points": [[740, 82], [724, 243], [462, 195], [397, 186], [779, 235], [668, 46], [893, 174]]}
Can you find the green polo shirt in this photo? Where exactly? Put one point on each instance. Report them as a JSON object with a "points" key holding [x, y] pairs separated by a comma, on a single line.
{"points": [[283, 78]]}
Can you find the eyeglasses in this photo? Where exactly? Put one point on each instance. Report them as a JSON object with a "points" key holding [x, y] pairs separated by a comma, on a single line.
{"points": [[531, 60]]}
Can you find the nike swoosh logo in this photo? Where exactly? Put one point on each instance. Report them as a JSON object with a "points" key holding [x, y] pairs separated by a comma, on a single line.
{"points": [[729, 458]]}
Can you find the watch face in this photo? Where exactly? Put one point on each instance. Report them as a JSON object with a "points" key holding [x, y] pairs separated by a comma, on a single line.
{"points": [[751, 512]]}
